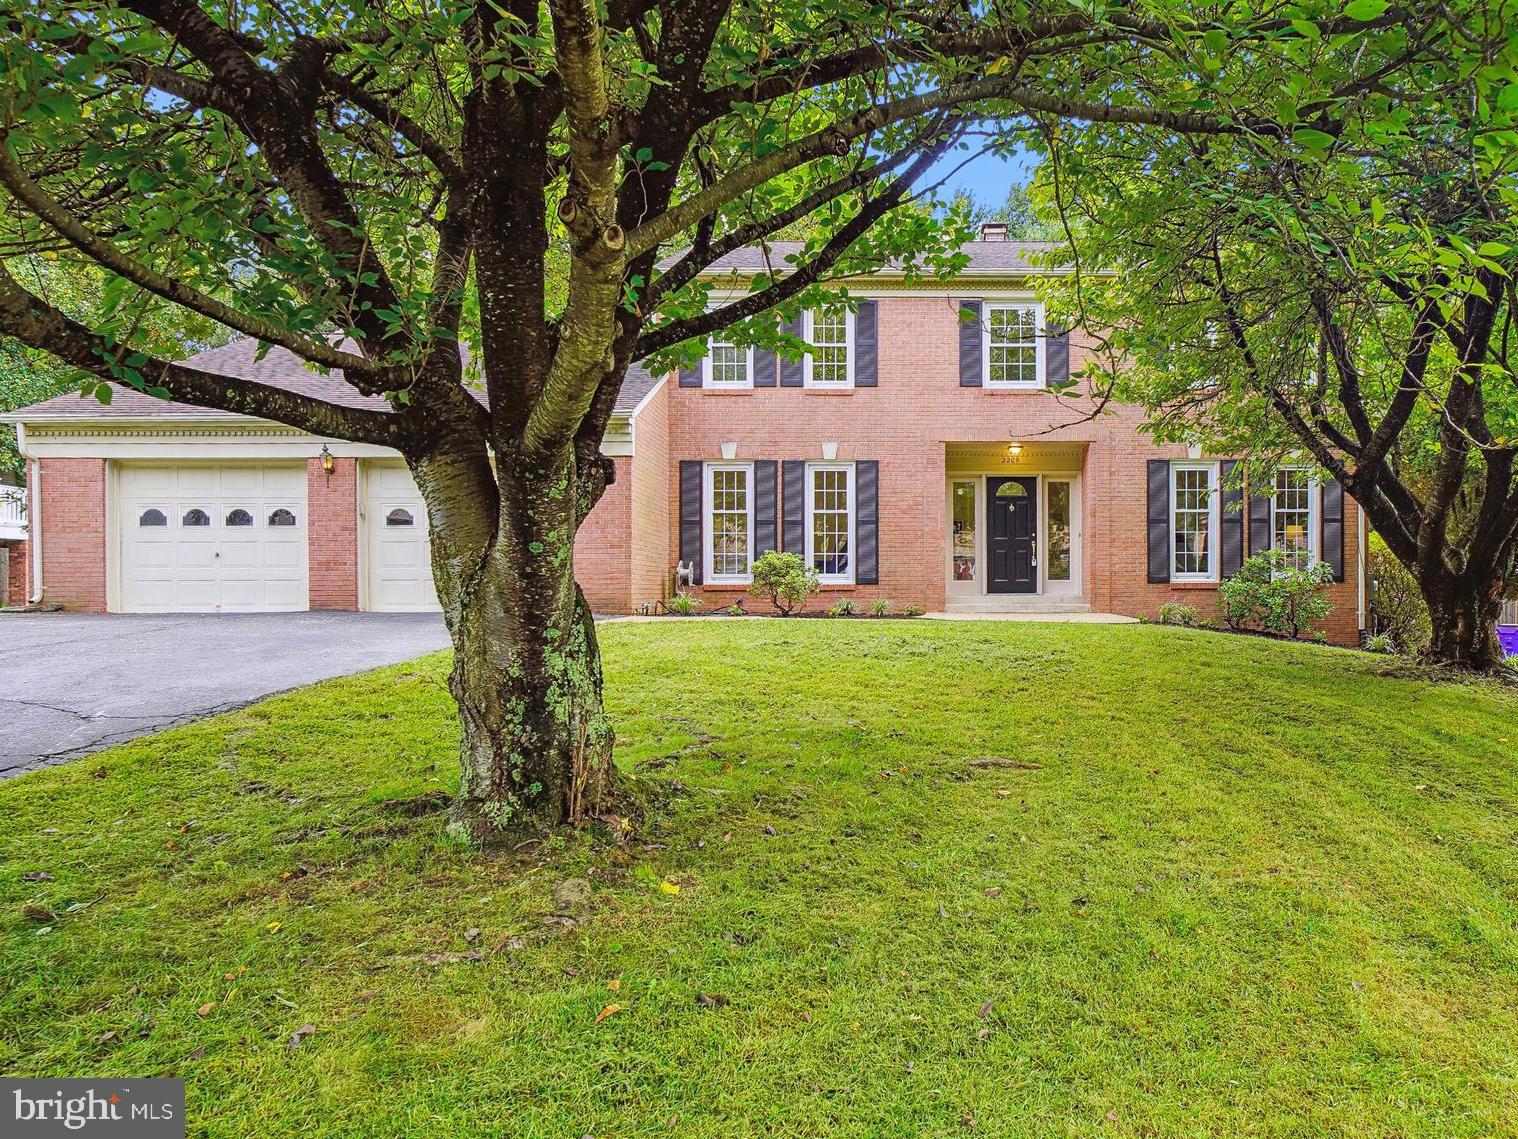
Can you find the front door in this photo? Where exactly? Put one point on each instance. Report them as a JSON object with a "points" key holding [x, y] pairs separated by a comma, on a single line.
{"points": [[1011, 535]]}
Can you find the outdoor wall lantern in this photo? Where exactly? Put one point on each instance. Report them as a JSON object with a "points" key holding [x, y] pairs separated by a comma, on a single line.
{"points": [[326, 458]]}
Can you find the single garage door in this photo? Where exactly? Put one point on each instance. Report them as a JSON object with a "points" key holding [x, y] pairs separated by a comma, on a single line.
{"points": [[398, 557], [212, 539]]}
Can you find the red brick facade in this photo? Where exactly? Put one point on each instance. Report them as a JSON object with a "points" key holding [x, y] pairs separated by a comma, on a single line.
{"points": [[73, 533], [332, 502], [18, 576], [918, 423]]}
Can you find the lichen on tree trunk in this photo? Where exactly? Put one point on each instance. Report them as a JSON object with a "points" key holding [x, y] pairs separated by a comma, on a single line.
{"points": [[535, 743], [1463, 624]]}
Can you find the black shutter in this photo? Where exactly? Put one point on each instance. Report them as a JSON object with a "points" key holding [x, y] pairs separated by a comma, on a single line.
{"points": [[866, 347], [1333, 527], [691, 377], [970, 332], [792, 372], [867, 522], [765, 520], [1159, 519], [764, 368], [793, 535], [1232, 520], [691, 538], [1259, 519], [1057, 356]]}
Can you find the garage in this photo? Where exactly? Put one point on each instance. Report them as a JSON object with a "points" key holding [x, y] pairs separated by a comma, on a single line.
{"points": [[202, 538], [396, 552]]}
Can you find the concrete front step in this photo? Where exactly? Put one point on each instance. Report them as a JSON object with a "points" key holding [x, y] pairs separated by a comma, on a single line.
{"points": [[1018, 605]]}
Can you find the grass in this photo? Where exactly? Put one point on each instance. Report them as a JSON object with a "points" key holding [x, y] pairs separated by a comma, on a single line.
{"points": [[1241, 888]]}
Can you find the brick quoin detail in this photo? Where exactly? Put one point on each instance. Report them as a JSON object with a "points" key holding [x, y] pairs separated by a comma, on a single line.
{"points": [[332, 504], [73, 533]]}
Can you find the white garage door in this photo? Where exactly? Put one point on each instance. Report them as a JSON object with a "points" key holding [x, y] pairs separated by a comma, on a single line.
{"points": [[220, 539], [397, 555]]}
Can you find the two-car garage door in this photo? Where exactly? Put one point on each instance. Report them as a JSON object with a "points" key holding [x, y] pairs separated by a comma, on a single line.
{"points": [[232, 537], [212, 538]]}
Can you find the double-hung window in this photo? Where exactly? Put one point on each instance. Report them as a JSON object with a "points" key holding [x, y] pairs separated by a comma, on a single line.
{"points": [[1193, 521], [830, 363], [728, 365], [729, 504], [1014, 349], [830, 521], [1292, 526]]}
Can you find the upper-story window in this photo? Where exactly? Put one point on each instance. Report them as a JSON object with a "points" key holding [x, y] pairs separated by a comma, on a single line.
{"points": [[830, 363], [1193, 521], [1014, 349], [728, 365], [1291, 515]]}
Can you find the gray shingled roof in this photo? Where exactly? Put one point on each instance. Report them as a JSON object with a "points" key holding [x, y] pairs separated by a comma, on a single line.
{"points": [[985, 256], [279, 368]]}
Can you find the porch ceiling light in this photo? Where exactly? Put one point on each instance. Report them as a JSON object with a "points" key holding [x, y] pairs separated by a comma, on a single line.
{"points": [[1014, 449]]}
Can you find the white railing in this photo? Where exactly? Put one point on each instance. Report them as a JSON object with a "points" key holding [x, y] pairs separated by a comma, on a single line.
{"points": [[12, 506]]}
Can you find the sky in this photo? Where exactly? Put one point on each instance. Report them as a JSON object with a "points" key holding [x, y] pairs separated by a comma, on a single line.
{"points": [[985, 176]]}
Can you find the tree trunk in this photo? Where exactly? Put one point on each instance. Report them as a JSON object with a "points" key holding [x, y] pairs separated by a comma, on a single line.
{"points": [[535, 743], [1463, 620]]}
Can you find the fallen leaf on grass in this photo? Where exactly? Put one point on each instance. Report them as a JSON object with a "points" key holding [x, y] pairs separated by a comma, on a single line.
{"points": [[38, 913], [615, 985], [669, 887], [510, 941], [609, 1010], [298, 1037], [985, 1009], [205, 1008], [471, 934], [710, 1000], [36, 876], [993, 891], [273, 927]]}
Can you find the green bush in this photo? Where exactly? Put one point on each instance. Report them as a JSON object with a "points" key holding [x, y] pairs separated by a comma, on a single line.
{"points": [[843, 607], [1178, 613], [736, 610], [1397, 609], [1276, 594], [685, 604], [912, 611], [785, 579], [880, 607], [1379, 643]]}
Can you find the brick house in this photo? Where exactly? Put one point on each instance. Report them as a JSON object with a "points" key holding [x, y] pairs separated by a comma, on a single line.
{"points": [[915, 454]]}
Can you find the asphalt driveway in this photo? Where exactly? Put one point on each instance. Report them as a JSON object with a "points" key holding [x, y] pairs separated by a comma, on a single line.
{"points": [[72, 683]]}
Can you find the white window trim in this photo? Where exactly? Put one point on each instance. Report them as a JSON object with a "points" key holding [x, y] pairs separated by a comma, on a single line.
{"points": [[709, 533], [1313, 525], [807, 360], [811, 498], [1039, 345], [1214, 527], [706, 370]]}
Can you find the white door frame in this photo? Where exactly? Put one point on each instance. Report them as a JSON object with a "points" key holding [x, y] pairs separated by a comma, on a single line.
{"points": [[978, 477]]}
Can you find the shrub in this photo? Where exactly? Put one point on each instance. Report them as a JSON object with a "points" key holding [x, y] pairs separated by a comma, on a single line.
{"points": [[736, 610], [1397, 609], [685, 604], [880, 607], [785, 579], [1274, 593], [843, 607], [1178, 613], [912, 611], [1379, 643]]}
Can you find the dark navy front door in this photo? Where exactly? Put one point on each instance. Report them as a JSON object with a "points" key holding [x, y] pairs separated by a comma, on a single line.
{"points": [[1012, 535]]}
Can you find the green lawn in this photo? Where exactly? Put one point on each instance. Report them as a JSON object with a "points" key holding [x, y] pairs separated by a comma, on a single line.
{"points": [[1241, 888]]}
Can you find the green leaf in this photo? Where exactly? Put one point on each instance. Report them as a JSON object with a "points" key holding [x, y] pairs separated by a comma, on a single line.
{"points": [[1365, 9], [1312, 139]]}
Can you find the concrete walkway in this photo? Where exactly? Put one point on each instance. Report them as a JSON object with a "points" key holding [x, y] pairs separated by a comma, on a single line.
{"points": [[73, 683]]}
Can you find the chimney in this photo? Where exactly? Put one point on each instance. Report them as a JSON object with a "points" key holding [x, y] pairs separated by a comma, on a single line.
{"points": [[993, 231]]}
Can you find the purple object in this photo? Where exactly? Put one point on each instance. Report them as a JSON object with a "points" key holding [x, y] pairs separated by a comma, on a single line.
{"points": [[1508, 635]]}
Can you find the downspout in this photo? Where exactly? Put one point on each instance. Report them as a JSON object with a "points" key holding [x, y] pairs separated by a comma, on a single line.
{"points": [[33, 516], [1362, 558]]}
